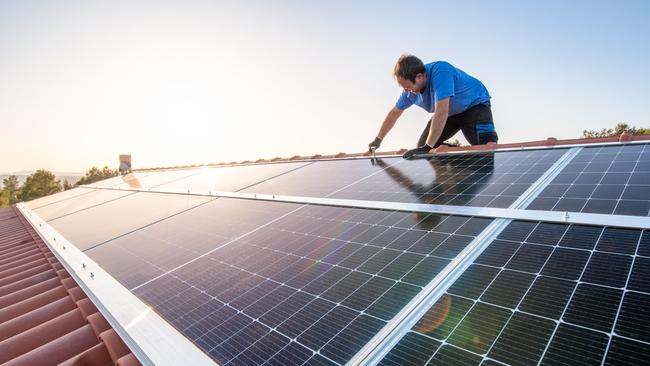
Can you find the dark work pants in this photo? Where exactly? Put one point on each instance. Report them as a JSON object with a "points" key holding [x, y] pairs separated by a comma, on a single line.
{"points": [[476, 124]]}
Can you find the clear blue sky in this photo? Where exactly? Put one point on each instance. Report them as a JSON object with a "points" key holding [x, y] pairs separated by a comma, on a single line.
{"points": [[184, 82]]}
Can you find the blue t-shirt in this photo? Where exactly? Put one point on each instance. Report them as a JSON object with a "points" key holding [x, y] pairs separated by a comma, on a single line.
{"points": [[444, 80]]}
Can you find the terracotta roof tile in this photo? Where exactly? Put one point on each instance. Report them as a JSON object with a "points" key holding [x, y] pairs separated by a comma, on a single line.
{"points": [[45, 317]]}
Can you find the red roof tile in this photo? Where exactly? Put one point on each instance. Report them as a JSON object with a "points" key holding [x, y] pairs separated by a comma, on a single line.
{"points": [[45, 317]]}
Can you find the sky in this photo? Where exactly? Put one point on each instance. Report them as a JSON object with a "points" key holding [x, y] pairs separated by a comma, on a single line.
{"points": [[193, 82]]}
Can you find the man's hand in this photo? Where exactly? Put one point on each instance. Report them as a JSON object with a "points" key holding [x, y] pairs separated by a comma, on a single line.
{"points": [[374, 145], [424, 149]]}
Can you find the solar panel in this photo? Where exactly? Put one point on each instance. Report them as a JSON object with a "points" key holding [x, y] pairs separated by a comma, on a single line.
{"points": [[606, 179], [120, 216], [141, 255], [316, 180], [542, 293], [152, 180], [77, 203], [305, 283], [131, 180], [61, 196], [230, 178], [479, 179]]}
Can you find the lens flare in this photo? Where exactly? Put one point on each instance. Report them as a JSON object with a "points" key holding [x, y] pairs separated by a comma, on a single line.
{"points": [[435, 317]]}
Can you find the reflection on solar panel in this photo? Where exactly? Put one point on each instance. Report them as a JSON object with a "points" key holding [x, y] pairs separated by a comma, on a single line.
{"points": [[152, 180], [479, 179], [611, 179], [314, 282], [543, 293], [311, 279], [131, 180], [230, 178], [315, 180]]}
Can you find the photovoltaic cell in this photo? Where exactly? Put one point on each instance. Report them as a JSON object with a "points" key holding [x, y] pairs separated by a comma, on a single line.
{"points": [[315, 280], [480, 179], [583, 303], [606, 180], [414, 349]]}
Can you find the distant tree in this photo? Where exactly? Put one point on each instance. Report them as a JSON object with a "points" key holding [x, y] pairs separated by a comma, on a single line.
{"points": [[95, 174], [4, 198], [616, 131], [67, 185], [455, 142], [41, 183], [11, 188]]}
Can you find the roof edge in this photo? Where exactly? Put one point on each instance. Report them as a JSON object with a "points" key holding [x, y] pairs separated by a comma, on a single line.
{"points": [[549, 142]]}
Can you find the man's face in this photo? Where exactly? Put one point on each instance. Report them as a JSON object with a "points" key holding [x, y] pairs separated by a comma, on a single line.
{"points": [[413, 87]]}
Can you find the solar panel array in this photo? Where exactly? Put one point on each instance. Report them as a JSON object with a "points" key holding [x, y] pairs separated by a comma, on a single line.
{"points": [[543, 294], [342, 279], [259, 282]]}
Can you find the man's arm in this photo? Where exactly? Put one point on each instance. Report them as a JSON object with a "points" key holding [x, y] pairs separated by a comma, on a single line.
{"points": [[386, 126], [439, 121], [389, 122]]}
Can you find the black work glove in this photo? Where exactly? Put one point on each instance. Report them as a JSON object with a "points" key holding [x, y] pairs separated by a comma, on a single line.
{"points": [[424, 149], [374, 144]]}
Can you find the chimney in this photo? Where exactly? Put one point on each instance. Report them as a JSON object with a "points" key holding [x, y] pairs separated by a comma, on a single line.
{"points": [[125, 164]]}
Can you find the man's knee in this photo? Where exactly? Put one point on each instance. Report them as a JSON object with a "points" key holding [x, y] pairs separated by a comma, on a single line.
{"points": [[484, 133], [487, 137]]}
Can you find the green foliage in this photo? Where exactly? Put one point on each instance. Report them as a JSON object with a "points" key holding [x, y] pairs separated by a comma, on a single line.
{"points": [[41, 183], [454, 142], [11, 189], [95, 174], [4, 198], [616, 131]]}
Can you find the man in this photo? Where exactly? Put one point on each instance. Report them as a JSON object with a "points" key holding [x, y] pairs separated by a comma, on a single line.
{"points": [[457, 100]]}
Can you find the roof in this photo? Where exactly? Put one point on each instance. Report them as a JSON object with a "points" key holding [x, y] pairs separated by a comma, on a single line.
{"points": [[45, 318], [331, 260], [549, 142]]}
